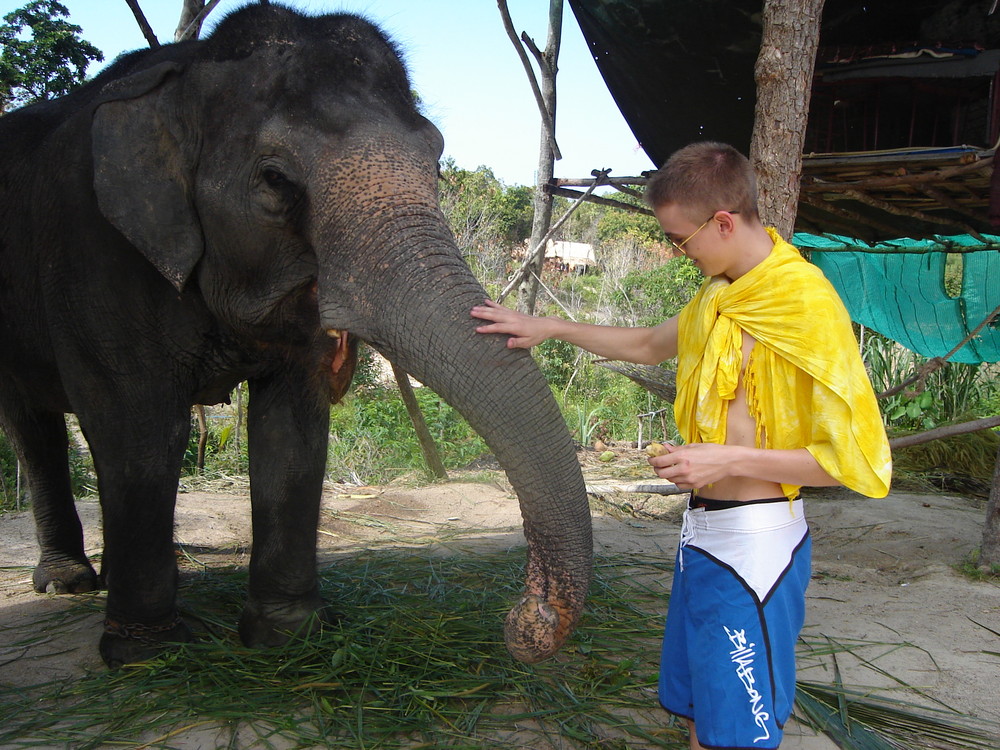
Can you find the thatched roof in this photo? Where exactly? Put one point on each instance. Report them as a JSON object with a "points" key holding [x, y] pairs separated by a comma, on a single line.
{"points": [[899, 193]]}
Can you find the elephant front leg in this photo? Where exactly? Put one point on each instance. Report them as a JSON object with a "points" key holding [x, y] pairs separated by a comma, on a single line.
{"points": [[39, 438], [288, 432], [137, 475]]}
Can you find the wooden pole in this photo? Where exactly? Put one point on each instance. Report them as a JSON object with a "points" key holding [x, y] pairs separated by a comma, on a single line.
{"points": [[199, 411], [948, 430], [434, 463], [536, 256], [990, 550]]}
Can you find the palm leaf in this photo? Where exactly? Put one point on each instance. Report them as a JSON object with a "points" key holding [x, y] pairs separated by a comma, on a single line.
{"points": [[857, 720]]}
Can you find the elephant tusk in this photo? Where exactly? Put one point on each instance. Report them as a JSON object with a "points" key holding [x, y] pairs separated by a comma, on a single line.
{"points": [[340, 356]]}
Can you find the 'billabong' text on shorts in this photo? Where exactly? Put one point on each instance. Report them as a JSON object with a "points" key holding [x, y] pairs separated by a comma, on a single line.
{"points": [[736, 608]]}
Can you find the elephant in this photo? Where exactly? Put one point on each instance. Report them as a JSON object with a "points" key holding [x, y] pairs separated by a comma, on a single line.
{"points": [[248, 207]]}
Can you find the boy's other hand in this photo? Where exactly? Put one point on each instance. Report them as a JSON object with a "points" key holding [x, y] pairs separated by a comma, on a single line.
{"points": [[525, 331], [692, 466]]}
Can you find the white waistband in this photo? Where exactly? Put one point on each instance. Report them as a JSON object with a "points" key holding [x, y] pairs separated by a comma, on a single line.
{"points": [[748, 518]]}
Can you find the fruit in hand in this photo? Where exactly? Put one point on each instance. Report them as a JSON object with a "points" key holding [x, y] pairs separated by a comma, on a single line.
{"points": [[655, 449]]}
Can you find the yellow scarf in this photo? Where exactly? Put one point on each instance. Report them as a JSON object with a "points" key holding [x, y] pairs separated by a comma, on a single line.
{"points": [[805, 383]]}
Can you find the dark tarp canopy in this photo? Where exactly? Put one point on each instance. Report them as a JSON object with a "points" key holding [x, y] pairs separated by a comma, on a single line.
{"points": [[683, 70], [905, 106], [680, 71]]}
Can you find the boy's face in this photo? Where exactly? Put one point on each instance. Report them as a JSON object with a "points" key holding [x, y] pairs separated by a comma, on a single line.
{"points": [[708, 243]]}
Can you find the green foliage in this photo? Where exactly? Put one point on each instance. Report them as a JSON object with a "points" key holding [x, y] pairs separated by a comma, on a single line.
{"points": [[954, 267], [478, 206], [954, 392], [50, 63], [599, 224], [486, 218], [557, 361], [596, 403], [960, 463], [82, 476], [8, 475], [225, 444], [615, 224], [583, 290], [367, 372], [973, 568], [989, 397], [372, 439], [951, 394], [513, 208], [659, 293]]}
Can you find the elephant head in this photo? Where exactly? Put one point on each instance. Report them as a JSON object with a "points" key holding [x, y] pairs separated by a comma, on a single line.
{"points": [[281, 170]]}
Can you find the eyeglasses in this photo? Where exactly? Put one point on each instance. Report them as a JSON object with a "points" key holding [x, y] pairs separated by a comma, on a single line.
{"points": [[679, 246]]}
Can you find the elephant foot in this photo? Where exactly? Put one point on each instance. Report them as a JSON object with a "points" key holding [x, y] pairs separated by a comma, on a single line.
{"points": [[66, 576], [132, 643], [261, 625]]}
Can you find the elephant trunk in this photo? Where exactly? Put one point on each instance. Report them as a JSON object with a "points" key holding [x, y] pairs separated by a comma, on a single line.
{"points": [[411, 301]]}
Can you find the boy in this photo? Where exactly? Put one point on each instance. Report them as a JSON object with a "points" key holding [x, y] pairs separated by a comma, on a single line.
{"points": [[771, 396]]}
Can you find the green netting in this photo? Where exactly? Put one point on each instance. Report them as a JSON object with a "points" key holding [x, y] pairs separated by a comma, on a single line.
{"points": [[902, 294]]}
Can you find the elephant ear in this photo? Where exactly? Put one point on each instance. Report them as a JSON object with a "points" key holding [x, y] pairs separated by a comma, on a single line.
{"points": [[142, 176]]}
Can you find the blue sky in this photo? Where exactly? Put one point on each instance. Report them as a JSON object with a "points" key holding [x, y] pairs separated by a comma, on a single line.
{"points": [[464, 68]]}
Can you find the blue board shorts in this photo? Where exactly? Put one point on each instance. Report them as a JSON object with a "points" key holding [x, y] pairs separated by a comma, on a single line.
{"points": [[736, 608]]}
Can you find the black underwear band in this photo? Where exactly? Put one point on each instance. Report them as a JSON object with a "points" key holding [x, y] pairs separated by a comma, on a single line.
{"points": [[710, 503]]}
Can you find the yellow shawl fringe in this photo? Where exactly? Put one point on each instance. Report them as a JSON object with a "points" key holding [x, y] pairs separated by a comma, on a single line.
{"points": [[805, 383]]}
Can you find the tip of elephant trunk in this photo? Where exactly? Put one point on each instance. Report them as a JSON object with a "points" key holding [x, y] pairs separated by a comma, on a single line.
{"points": [[535, 629]]}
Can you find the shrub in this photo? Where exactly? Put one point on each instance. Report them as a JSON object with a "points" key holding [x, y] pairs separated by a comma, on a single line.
{"points": [[8, 475], [82, 476], [372, 438], [658, 294]]}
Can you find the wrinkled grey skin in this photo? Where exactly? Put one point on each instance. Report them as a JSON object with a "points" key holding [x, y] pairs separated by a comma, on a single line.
{"points": [[217, 211]]}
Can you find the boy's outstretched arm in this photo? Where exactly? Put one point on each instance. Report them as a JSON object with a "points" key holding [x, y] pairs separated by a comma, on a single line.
{"points": [[649, 346]]}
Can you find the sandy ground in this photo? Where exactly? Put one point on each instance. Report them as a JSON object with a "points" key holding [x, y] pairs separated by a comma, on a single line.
{"points": [[883, 572]]}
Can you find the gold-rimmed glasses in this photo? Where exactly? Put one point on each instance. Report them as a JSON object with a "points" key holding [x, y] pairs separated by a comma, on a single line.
{"points": [[679, 246]]}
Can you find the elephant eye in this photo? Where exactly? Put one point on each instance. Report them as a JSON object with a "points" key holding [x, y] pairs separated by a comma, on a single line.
{"points": [[274, 178]]}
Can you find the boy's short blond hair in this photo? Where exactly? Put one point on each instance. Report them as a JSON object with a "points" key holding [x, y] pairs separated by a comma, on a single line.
{"points": [[705, 177]]}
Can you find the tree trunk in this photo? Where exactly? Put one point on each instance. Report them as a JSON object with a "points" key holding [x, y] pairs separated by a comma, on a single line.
{"points": [[784, 74], [193, 15], [189, 25], [990, 548], [548, 65]]}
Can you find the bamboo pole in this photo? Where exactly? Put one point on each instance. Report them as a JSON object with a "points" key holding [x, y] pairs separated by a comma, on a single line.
{"points": [[812, 184]]}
